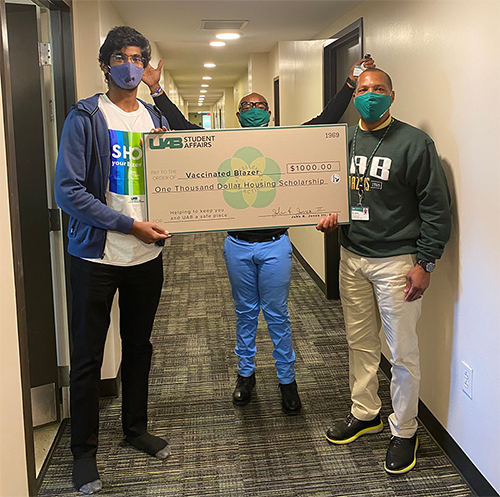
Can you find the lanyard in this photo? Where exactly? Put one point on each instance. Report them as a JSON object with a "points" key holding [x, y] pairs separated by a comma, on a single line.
{"points": [[361, 183]]}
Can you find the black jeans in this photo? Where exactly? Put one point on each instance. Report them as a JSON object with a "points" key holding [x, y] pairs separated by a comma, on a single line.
{"points": [[94, 286]]}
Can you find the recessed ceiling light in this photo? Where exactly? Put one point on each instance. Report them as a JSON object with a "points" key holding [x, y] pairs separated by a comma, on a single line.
{"points": [[227, 36], [217, 43], [203, 91], [209, 64], [205, 86], [199, 105], [207, 77]]}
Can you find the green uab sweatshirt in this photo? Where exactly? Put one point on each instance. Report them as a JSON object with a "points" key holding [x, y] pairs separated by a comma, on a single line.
{"points": [[405, 191]]}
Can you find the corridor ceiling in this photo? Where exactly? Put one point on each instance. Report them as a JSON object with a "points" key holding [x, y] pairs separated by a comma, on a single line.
{"points": [[176, 28]]}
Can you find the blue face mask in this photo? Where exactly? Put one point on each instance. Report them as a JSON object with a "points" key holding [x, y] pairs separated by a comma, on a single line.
{"points": [[254, 118], [372, 106], [126, 76]]}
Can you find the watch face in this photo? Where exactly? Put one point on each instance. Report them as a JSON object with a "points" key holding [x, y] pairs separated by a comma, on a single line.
{"points": [[427, 266]]}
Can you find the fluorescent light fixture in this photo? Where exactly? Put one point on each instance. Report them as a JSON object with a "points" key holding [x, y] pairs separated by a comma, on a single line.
{"points": [[209, 64], [217, 43], [199, 105], [227, 36], [207, 77], [205, 86], [203, 91]]}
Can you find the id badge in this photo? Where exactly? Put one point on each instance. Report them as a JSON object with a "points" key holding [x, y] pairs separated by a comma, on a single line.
{"points": [[360, 213]]}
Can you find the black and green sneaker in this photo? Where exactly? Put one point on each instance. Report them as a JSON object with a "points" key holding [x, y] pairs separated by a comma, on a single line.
{"points": [[352, 428], [401, 455]]}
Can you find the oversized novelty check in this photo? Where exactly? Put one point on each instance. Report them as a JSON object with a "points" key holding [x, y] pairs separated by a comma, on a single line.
{"points": [[211, 180]]}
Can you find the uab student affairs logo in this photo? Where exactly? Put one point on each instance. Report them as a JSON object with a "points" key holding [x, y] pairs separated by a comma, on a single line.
{"points": [[249, 178]]}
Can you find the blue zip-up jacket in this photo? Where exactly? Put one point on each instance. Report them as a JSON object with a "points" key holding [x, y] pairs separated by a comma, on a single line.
{"points": [[81, 178]]}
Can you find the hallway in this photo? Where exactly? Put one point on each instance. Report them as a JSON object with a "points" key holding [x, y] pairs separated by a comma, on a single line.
{"points": [[256, 451]]}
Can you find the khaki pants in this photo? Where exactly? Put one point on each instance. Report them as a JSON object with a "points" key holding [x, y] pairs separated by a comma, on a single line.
{"points": [[372, 295]]}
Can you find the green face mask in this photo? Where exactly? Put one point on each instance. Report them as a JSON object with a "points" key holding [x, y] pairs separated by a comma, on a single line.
{"points": [[254, 118], [372, 106]]}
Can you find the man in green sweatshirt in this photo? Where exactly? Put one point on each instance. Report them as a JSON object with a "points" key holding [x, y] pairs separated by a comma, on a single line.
{"points": [[400, 210]]}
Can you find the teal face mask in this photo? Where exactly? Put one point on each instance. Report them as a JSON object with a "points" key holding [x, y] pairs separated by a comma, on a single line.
{"points": [[254, 118], [372, 106]]}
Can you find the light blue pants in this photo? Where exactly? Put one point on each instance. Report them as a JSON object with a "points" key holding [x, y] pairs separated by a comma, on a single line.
{"points": [[260, 276]]}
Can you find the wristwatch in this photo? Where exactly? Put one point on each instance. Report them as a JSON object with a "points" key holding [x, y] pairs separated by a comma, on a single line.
{"points": [[426, 266]]}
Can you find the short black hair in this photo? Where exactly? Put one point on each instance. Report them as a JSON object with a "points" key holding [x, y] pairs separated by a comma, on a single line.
{"points": [[376, 69], [124, 36]]}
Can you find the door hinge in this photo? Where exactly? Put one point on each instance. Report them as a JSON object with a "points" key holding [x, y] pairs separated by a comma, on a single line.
{"points": [[54, 220], [44, 54]]}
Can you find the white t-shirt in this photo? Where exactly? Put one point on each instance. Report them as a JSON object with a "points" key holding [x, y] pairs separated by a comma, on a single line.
{"points": [[125, 192]]}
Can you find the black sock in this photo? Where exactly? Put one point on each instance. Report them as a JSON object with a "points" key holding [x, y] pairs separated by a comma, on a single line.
{"points": [[147, 443], [84, 472]]}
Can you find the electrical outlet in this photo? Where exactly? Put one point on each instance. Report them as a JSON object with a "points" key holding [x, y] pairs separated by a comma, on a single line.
{"points": [[466, 379]]}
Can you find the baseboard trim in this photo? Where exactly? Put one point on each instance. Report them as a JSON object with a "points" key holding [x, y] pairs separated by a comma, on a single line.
{"points": [[478, 483], [310, 271], [110, 387]]}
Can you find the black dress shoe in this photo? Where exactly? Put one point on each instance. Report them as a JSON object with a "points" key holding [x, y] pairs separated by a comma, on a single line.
{"points": [[351, 428], [290, 400], [401, 455], [243, 392]]}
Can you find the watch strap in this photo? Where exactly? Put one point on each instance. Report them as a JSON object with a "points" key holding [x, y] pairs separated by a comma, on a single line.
{"points": [[351, 82]]}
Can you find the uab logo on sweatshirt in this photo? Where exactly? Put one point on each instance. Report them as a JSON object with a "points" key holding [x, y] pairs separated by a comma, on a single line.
{"points": [[379, 171], [126, 174]]}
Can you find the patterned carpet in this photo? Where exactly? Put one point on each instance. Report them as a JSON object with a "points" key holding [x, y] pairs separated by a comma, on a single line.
{"points": [[255, 451]]}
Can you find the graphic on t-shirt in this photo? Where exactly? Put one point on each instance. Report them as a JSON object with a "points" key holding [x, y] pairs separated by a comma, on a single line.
{"points": [[380, 169], [126, 176]]}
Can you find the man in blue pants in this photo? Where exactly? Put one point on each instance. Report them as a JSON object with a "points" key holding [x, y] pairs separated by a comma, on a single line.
{"points": [[259, 261]]}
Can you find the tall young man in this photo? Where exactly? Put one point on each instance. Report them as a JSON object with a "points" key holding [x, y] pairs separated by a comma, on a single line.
{"points": [[100, 183], [401, 222]]}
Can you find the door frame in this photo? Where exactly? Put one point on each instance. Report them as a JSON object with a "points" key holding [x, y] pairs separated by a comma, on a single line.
{"points": [[353, 31], [276, 100], [64, 79], [332, 247]]}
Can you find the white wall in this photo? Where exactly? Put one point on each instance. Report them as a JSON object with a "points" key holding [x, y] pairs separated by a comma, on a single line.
{"points": [[273, 71], [300, 69], [13, 467], [87, 40], [441, 56], [259, 79], [240, 90], [229, 118]]}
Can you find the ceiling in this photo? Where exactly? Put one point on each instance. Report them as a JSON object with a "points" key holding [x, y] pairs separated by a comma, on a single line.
{"points": [[176, 28]]}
